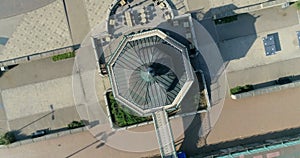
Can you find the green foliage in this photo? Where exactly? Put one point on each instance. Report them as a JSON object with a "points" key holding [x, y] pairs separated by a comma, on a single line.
{"points": [[7, 138], [297, 4], [200, 100], [122, 116], [226, 20], [75, 124], [63, 56], [241, 89]]}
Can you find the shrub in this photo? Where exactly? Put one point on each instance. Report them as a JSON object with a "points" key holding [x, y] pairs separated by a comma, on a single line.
{"points": [[298, 4], [200, 100], [7, 138], [241, 89], [63, 56], [121, 115], [75, 124]]}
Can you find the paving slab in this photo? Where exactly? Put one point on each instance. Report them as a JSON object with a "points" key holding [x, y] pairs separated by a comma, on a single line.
{"points": [[11, 8], [97, 11], [275, 18], [37, 98], [78, 20], [40, 30], [36, 71], [52, 120]]}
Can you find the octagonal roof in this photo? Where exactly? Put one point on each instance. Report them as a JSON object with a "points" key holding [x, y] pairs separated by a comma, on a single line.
{"points": [[150, 70]]}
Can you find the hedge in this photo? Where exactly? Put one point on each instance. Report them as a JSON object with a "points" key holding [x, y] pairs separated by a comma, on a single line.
{"points": [[63, 56], [7, 138], [75, 124], [241, 89], [122, 116]]}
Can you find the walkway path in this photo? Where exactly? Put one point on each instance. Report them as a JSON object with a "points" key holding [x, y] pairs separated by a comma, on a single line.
{"points": [[164, 134]]}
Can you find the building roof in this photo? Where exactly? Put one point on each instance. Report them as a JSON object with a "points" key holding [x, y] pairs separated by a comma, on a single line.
{"points": [[150, 70]]}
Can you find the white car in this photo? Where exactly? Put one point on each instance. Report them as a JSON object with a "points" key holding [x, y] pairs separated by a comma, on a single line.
{"points": [[4, 68]]}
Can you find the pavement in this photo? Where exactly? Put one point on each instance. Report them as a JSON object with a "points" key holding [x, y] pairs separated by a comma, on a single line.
{"points": [[241, 45], [251, 116], [97, 11], [10, 8], [7, 27], [27, 79], [38, 96], [268, 72], [54, 120], [40, 30], [78, 20], [204, 5], [257, 115], [36, 71], [71, 146]]}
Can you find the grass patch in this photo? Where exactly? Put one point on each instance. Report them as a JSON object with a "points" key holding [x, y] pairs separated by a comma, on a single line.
{"points": [[7, 138], [241, 89], [297, 4], [226, 20], [121, 116], [63, 56], [200, 101]]}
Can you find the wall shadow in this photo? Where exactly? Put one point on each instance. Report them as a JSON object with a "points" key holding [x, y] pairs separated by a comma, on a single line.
{"points": [[250, 143], [234, 36], [191, 142]]}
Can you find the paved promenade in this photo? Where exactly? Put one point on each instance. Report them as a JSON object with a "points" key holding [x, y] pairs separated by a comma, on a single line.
{"points": [[40, 30], [257, 115], [9, 8], [239, 119], [97, 11]]}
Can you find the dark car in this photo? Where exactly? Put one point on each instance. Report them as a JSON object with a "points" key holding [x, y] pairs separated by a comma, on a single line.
{"points": [[283, 80], [39, 133]]}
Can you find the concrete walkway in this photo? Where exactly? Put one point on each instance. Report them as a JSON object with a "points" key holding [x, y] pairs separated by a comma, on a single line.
{"points": [[164, 134]]}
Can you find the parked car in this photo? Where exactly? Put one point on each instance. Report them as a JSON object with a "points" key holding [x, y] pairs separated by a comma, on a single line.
{"points": [[40, 133], [4, 68], [181, 154], [283, 80]]}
